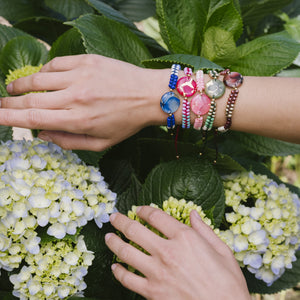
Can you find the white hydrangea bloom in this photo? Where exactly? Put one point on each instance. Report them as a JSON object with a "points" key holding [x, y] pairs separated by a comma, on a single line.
{"points": [[55, 273], [43, 185], [264, 224]]}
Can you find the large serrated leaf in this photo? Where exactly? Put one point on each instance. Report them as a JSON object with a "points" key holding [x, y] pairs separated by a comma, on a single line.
{"points": [[69, 43], [100, 280], [130, 197], [183, 23], [110, 38], [264, 56], [15, 10], [195, 62], [113, 14], [218, 44], [255, 10], [265, 146], [191, 179], [5, 133], [7, 33], [70, 9], [44, 28], [22, 51]]}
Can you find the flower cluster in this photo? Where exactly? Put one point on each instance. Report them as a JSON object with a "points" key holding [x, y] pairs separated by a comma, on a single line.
{"points": [[56, 272], [22, 72], [179, 209], [264, 223], [43, 185]]}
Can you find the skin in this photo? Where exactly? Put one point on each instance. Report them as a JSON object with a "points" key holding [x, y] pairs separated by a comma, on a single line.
{"points": [[90, 97], [193, 263]]}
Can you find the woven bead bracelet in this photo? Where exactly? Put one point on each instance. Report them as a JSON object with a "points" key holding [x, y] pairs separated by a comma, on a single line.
{"points": [[214, 89], [169, 103], [232, 80], [186, 87], [200, 103]]}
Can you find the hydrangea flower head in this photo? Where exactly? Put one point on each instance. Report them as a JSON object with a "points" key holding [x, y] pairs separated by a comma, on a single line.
{"points": [[179, 209], [264, 224], [56, 272], [44, 185], [22, 72]]}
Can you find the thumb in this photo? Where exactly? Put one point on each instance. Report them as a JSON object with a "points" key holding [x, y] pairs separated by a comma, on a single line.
{"points": [[73, 141], [206, 232]]}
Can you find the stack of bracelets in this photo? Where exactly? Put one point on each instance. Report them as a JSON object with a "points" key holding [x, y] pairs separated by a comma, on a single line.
{"points": [[204, 97]]}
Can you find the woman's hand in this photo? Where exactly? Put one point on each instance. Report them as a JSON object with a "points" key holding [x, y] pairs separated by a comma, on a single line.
{"points": [[92, 102], [193, 263]]}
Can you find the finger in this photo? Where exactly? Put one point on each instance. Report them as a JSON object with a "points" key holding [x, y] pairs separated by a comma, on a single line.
{"points": [[40, 82], [64, 63], [74, 141], [130, 280], [207, 233], [129, 254], [157, 218], [39, 119], [49, 100], [136, 232]]}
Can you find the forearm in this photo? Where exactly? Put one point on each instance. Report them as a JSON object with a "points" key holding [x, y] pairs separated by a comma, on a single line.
{"points": [[267, 106]]}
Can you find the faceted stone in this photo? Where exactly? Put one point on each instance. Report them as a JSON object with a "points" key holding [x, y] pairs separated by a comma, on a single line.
{"points": [[169, 103], [233, 79], [215, 88], [186, 86], [200, 104]]}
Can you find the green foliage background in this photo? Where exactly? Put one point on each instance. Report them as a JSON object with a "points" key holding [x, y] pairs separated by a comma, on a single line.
{"points": [[256, 37]]}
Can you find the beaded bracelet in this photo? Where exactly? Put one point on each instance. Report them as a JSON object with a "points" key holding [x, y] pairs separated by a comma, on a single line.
{"points": [[233, 80], [214, 89], [186, 87], [169, 103], [200, 103]]}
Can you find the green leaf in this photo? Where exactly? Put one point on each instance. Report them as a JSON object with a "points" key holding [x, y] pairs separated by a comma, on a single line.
{"points": [[100, 280], [7, 33], [254, 11], [90, 157], [130, 197], [69, 43], [109, 38], [7, 296], [44, 28], [136, 10], [22, 51], [115, 15], [265, 146], [218, 44], [191, 179], [6, 133], [264, 56], [289, 279], [290, 73], [195, 62], [70, 9], [183, 23], [15, 10], [81, 298]]}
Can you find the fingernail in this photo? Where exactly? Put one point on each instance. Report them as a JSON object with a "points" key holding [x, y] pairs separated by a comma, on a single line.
{"points": [[9, 88], [113, 267], [112, 217], [107, 236], [45, 137]]}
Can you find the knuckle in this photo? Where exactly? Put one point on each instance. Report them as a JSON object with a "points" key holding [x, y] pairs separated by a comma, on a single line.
{"points": [[130, 230], [154, 216], [123, 252], [184, 233], [34, 118], [168, 255], [36, 80], [30, 101]]}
